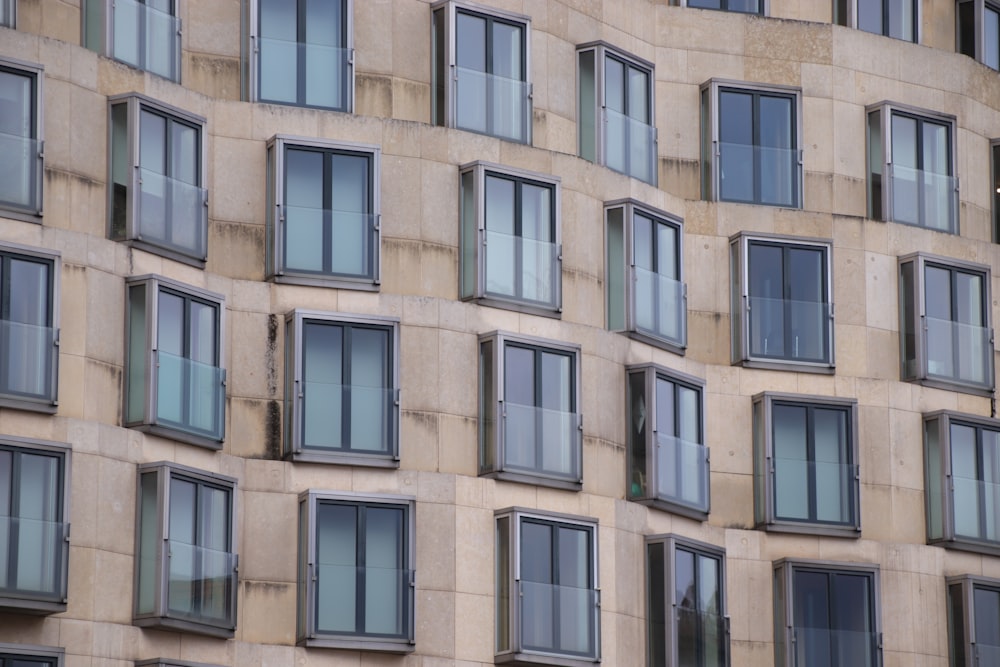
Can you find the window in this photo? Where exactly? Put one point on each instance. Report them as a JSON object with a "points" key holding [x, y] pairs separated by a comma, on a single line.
{"points": [[18, 655], [741, 6], [686, 622], [995, 175], [323, 213], [341, 388], [174, 383], [646, 293], [185, 570], [616, 111], [946, 334], [480, 79], [301, 53], [529, 422], [806, 464], [911, 167], [29, 328], [826, 614], [145, 34], [547, 597], [20, 137], [893, 18], [34, 532], [973, 621], [751, 137], [356, 572], [667, 458], [511, 244], [8, 13], [979, 31], [156, 199], [782, 308]]}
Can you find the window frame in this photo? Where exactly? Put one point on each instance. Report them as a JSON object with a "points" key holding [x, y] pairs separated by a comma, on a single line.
{"points": [[306, 633], [277, 148], [132, 233], [170, 662], [36, 73], [848, 17], [508, 575], [652, 495], [57, 655], [492, 349], [472, 238], [917, 303], [966, 586], [765, 511], [709, 94], [620, 264], [293, 448], [995, 195], [444, 96], [153, 284], [740, 325], [160, 617], [978, 47], [765, 7], [97, 33]]}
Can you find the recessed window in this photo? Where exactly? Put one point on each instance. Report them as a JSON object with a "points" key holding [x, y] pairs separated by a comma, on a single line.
{"points": [[826, 614], [29, 328], [34, 528], [945, 324], [18, 655], [973, 620], [300, 53], [145, 34], [741, 6], [529, 419], [341, 389], [751, 143], [511, 244], [20, 137], [323, 213], [667, 458], [646, 294], [157, 198], [616, 108], [356, 572], [686, 622], [806, 464], [480, 76], [782, 308], [979, 31], [174, 381], [185, 571], [911, 167], [893, 18], [547, 597]]}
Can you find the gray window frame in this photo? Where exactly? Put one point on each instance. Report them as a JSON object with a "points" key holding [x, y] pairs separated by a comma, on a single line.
{"points": [[277, 147], [765, 513], [977, 49], [97, 33], [294, 450], [35, 72], [161, 617], [56, 655], [965, 587], [492, 350], [845, 13], [170, 662], [508, 577], [765, 7], [306, 633], [995, 194], [131, 227]]}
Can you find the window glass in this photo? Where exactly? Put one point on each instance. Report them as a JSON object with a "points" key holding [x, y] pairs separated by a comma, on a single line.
{"points": [[27, 337], [833, 618], [146, 34], [18, 140]]}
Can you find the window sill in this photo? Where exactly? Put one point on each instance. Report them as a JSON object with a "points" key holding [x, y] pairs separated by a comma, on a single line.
{"points": [[662, 343], [780, 365], [381, 645], [987, 547], [336, 282], [40, 405], [805, 528], [518, 306], [179, 436], [673, 508], [534, 480], [24, 215], [952, 386], [530, 659], [368, 461], [32, 607], [179, 625], [154, 249]]}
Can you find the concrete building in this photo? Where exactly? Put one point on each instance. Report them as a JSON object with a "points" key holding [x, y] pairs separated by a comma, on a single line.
{"points": [[431, 334]]}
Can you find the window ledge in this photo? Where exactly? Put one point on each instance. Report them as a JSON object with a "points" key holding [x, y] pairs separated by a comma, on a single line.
{"points": [[179, 436], [965, 544], [535, 480], [23, 215], [518, 306], [154, 249], [45, 407], [531, 659], [662, 343], [368, 461], [336, 282], [805, 528], [797, 366], [953, 386], [674, 508], [400, 646], [33, 607], [180, 625]]}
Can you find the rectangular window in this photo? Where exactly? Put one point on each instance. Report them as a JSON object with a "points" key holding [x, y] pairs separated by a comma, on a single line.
{"points": [[20, 138], [646, 294], [782, 308], [741, 6], [979, 31], [973, 621], [185, 571], [156, 198], [806, 464], [616, 111], [893, 18], [826, 614], [668, 461], [323, 213], [341, 389], [19, 655], [480, 77], [946, 334], [174, 382], [511, 254], [911, 167], [145, 34], [751, 143], [356, 572], [547, 597], [529, 419], [34, 528], [300, 52], [686, 622]]}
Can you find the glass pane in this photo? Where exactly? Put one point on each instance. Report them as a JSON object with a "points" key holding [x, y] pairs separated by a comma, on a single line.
{"points": [[964, 469], [336, 568], [26, 339], [573, 598], [767, 293], [834, 477], [384, 564], [986, 603], [778, 166], [470, 58], [303, 210], [736, 163], [991, 40], [536, 259], [870, 15], [279, 52], [350, 236], [500, 229], [901, 19], [322, 371], [324, 54], [17, 132], [370, 411], [791, 458], [905, 197], [507, 89], [181, 595], [149, 543]]}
